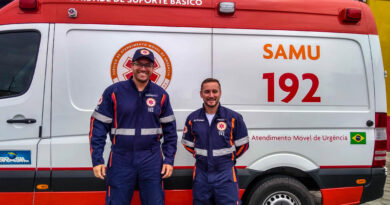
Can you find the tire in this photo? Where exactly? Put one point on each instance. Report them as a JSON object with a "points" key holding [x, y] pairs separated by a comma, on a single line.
{"points": [[279, 190]]}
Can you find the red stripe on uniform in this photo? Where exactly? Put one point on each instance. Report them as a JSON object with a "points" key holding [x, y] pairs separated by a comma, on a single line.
{"points": [[231, 137], [110, 159], [242, 149], [234, 175], [115, 109], [90, 135], [162, 102], [189, 149], [115, 114]]}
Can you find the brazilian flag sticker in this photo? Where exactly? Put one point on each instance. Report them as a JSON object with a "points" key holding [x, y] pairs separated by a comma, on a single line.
{"points": [[358, 138]]}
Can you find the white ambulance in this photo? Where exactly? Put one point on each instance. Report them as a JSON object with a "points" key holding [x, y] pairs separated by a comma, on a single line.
{"points": [[307, 77]]}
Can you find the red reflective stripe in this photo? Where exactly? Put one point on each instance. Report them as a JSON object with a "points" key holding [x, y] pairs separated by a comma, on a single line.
{"points": [[72, 168], [115, 108], [345, 166], [84, 168], [231, 137], [193, 173], [66, 198], [110, 159], [18, 169], [109, 190], [190, 123], [344, 195], [162, 101], [241, 149], [231, 132], [90, 135], [189, 149], [115, 115], [234, 175], [16, 198]]}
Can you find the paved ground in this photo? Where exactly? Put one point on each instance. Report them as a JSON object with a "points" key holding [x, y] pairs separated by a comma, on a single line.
{"points": [[386, 196]]}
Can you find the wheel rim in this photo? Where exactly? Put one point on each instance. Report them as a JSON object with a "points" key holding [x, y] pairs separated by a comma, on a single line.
{"points": [[282, 198]]}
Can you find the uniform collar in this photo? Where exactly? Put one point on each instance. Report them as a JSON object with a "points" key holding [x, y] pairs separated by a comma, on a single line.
{"points": [[135, 87], [219, 114]]}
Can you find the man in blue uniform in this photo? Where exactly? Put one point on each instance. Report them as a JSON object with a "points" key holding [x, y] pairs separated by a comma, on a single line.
{"points": [[136, 113], [216, 136]]}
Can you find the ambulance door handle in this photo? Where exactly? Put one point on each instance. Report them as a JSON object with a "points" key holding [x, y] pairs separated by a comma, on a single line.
{"points": [[25, 121]]}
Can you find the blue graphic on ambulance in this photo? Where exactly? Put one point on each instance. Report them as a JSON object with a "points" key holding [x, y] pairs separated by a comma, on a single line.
{"points": [[15, 157]]}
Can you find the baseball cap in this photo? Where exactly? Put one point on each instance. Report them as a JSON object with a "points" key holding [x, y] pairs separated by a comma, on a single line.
{"points": [[143, 53]]}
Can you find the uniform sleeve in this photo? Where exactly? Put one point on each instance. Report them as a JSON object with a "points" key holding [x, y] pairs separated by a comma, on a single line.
{"points": [[241, 139], [101, 121], [168, 123], [188, 139]]}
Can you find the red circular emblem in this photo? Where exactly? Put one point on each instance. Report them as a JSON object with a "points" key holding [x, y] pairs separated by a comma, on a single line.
{"points": [[185, 130], [121, 63], [221, 126], [151, 102], [145, 52]]}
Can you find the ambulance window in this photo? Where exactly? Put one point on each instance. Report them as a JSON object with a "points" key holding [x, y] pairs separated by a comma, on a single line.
{"points": [[18, 55]]}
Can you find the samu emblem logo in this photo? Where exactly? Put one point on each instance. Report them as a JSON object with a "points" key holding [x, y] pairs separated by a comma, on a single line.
{"points": [[151, 103], [221, 126], [121, 63]]}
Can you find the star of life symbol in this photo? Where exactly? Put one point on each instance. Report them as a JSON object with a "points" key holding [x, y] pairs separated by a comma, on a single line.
{"points": [[221, 126], [151, 103], [121, 65]]}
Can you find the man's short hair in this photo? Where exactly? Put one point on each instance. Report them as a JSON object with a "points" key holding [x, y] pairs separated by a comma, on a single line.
{"points": [[210, 80]]}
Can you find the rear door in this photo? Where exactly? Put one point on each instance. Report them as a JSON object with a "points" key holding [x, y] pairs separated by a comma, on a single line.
{"points": [[23, 50]]}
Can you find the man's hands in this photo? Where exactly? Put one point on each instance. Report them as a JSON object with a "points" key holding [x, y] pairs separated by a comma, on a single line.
{"points": [[167, 170], [99, 171]]}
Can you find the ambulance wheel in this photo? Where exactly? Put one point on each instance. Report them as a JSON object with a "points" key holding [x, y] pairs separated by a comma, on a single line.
{"points": [[278, 190]]}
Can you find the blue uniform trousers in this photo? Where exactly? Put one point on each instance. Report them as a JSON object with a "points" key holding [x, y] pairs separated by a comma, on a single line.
{"points": [[128, 168], [215, 187]]}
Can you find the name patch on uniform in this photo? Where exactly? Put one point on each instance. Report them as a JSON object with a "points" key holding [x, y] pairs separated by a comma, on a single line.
{"points": [[15, 157], [151, 102], [151, 95], [221, 126], [198, 120]]}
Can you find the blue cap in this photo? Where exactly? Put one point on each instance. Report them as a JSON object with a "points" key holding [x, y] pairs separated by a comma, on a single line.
{"points": [[143, 53]]}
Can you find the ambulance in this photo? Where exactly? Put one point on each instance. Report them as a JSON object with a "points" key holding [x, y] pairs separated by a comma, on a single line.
{"points": [[307, 77]]}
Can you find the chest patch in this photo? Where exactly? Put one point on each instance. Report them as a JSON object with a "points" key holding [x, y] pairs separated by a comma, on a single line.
{"points": [[151, 102], [221, 126]]}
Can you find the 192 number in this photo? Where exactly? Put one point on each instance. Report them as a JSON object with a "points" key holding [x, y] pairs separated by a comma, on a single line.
{"points": [[292, 88]]}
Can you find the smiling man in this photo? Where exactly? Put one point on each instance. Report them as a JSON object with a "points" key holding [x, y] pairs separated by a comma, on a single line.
{"points": [[216, 136], [136, 113]]}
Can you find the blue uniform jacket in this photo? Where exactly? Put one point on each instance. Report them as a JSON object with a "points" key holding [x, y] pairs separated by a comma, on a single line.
{"points": [[135, 121], [215, 146]]}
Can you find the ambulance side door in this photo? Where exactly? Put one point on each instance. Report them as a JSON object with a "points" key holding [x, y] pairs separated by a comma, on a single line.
{"points": [[23, 50]]}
